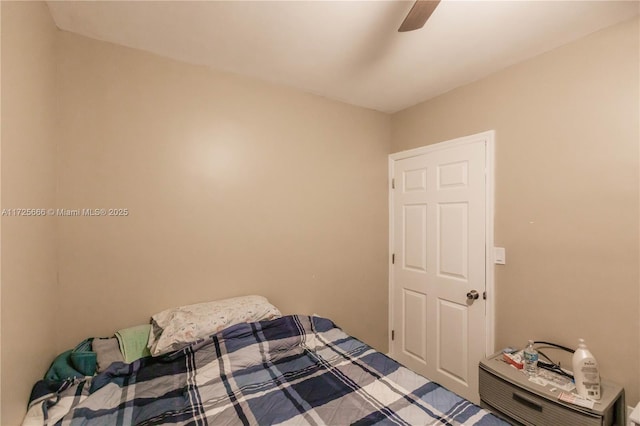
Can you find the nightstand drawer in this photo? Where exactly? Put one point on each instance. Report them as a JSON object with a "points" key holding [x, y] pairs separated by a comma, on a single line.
{"points": [[528, 408]]}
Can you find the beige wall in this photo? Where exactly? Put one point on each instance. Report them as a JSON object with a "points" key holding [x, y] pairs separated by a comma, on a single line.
{"points": [[233, 187], [236, 187], [567, 139], [29, 290]]}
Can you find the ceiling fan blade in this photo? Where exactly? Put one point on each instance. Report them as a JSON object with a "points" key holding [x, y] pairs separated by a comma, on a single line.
{"points": [[418, 15]]}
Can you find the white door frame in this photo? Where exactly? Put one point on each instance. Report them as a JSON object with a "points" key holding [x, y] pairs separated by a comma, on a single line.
{"points": [[490, 305]]}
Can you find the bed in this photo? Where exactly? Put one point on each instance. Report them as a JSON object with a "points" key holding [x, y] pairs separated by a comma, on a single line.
{"points": [[297, 370]]}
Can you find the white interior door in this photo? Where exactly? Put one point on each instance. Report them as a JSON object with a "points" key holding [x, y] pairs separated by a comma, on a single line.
{"points": [[438, 226]]}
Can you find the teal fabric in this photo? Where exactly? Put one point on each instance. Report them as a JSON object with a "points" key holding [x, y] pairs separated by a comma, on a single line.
{"points": [[77, 362], [84, 346], [61, 368], [85, 362]]}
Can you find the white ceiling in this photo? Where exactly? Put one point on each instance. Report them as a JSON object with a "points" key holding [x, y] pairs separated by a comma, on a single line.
{"points": [[345, 50]]}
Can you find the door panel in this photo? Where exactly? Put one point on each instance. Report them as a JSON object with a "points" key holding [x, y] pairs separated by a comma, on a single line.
{"points": [[415, 237], [453, 240], [452, 347], [438, 239], [414, 180], [415, 336], [453, 175]]}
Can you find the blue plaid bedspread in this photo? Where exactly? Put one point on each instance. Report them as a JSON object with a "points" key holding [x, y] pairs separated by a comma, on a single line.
{"points": [[295, 370]]}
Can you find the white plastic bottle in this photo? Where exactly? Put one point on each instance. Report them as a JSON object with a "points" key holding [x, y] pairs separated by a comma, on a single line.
{"points": [[585, 372], [530, 356]]}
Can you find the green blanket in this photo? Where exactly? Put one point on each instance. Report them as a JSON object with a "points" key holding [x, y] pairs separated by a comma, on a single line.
{"points": [[133, 342]]}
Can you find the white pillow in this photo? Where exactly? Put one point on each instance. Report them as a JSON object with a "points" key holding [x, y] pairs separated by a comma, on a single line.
{"points": [[175, 328]]}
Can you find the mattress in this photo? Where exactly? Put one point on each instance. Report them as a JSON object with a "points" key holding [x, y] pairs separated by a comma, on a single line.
{"points": [[296, 370]]}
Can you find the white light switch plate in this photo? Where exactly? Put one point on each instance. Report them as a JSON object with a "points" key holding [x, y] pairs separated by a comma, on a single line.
{"points": [[499, 255]]}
